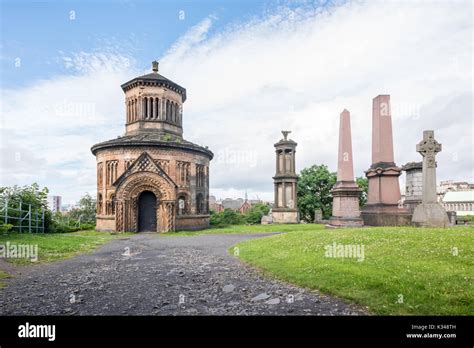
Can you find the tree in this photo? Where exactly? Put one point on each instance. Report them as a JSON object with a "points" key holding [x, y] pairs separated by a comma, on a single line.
{"points": [[254, 215], [85, 211], [314, 191], [363, 184]]}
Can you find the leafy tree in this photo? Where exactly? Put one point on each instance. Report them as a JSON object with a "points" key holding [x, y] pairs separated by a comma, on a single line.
{"points": [[363, 184], [254, 215], [85, 211], [314, 191]]}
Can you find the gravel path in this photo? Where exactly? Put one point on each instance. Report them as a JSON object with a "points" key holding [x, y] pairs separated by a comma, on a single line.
{"points": [[188, 275]]}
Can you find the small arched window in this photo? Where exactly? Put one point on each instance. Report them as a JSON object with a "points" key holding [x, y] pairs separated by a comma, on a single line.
{"points": [[182, 205], [199, 204], [168, 110], [112, 200], [99, 203]]}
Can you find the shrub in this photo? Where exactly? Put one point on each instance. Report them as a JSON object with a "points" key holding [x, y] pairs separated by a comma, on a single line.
{"points": [[227, 217], [254, 215]]}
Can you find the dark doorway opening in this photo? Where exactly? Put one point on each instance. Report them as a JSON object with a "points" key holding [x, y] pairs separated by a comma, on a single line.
{"points": [[147, 212]]}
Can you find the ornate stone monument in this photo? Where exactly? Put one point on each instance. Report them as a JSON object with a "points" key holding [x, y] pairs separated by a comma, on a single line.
{"points": [[285, 209], [429, 213], [151, 178], [345, 204], [413, 184], [383, 206]]}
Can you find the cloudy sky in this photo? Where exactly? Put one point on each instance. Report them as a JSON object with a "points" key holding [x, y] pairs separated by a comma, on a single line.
{"points": [[251, 69]]}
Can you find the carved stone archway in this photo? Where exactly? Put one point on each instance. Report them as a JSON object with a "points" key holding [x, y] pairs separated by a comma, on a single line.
{"points": [[126, 217]]}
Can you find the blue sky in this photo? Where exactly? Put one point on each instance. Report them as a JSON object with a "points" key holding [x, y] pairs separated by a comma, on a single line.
{"points": [[251, 68], [38, 32]]}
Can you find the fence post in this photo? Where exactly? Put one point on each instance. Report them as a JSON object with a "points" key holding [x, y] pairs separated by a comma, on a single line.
{"points": [[29, 218], [42, 218], [21, 216], [36, 220], [6, 210]]}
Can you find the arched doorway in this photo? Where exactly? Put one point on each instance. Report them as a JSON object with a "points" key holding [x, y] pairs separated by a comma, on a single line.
{"points": [[147, 212]]}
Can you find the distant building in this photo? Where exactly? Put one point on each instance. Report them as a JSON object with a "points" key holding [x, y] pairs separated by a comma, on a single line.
{"points": [[54, 203], [451, 185], [462, 202], [241, 205]]}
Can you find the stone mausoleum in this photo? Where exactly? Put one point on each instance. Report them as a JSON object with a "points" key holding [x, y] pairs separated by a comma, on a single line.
{"points": [[152, 179]]}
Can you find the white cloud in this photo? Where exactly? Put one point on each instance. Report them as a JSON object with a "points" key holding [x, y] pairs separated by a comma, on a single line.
{"points": [[289, 69], [298, 70]]}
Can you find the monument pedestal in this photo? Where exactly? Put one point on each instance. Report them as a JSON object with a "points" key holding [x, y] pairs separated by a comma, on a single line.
{"points": [[386, 215], [345, 206], [383, 206], [285, 216], [430, 215]]}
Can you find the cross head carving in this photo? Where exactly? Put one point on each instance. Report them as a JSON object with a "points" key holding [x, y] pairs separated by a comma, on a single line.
{"points": [[428, 148]]}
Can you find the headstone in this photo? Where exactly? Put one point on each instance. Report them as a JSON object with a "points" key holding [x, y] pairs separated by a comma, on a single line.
{"points": [[318, 215], [382, 207], [452, 217], [345, 204], [429, 213], [266, 220]]}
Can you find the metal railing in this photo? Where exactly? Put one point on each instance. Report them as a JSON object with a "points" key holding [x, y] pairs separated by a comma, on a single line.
{"points": [[22, 217]]}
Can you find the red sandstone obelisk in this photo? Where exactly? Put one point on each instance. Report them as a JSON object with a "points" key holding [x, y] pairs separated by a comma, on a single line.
{"points": [[383, 206], [345, 204]]}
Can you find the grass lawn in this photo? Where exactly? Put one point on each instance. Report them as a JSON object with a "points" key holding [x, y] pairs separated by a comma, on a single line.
{"points": [[56, 246], [246, 229], [3, 275], [405, 270]]}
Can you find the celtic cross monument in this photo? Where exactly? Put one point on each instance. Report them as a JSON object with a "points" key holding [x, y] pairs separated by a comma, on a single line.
{"points": [[429, 213]]}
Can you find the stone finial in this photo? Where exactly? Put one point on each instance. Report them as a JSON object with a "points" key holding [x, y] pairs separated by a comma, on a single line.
{"points": [[154, 66], [285, 134]]}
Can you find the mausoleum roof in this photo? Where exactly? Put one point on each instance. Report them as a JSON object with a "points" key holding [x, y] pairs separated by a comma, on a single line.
{"points": [[459, 196], [154, 78], [155, 139]]}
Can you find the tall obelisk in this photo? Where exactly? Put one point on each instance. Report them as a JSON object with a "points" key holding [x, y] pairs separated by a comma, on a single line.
{"points": [[345, 204], [383, 206]]}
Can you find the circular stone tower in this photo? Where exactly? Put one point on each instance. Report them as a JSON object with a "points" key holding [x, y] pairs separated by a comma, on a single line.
{"points": [[151, 179]]}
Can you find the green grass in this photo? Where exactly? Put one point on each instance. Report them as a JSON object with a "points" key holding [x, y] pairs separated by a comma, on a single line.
{"points": [[247, 229], [56, 246], [3, 275], [413, 262]]}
